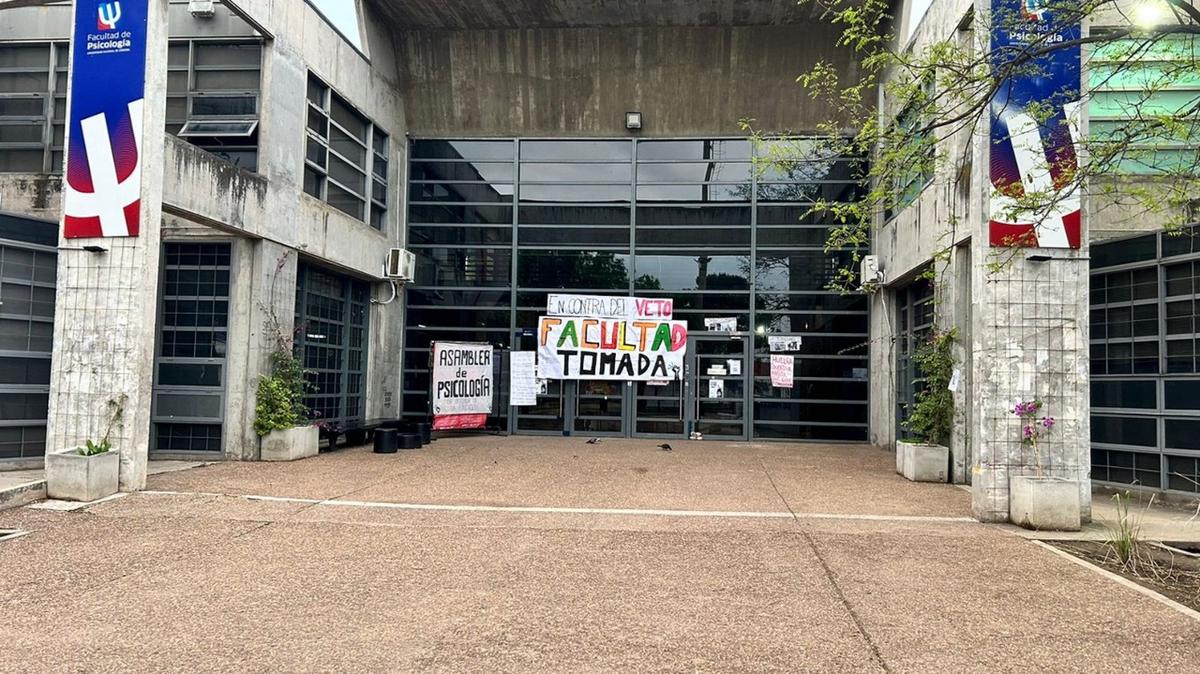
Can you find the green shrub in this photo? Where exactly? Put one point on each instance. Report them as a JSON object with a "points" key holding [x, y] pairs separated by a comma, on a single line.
{"points": [[931, 419], [92, 448], [279, 402], [116, 417]]}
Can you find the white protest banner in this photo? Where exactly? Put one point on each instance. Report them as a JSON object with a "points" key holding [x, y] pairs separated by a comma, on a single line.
{"points": [[522, 379], [614, 349], [783, 343], [720, 324], [462, 385], [782, 371], [605, 306]]}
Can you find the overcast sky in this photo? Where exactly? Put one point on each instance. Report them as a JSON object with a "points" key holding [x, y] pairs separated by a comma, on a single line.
{"points": [[343, 14]]}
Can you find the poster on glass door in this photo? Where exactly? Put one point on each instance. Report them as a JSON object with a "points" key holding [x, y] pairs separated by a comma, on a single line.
{"points": [[461, 385]]}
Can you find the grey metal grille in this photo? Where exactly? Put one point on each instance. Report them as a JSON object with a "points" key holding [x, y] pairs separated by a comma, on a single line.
{"points": [[498, 224], [27, 277], [331, 340], [189, 370], [1145, 385]]}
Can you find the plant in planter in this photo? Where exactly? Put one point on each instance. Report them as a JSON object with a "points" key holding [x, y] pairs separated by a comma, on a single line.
{"points": [[280, 416], [1041, 501], [89, 472], [930, 422]]}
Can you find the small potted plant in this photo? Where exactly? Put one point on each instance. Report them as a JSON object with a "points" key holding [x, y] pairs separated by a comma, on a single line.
{"points": [[89, 472], [280, 416], [1041, 501], [925, 457]]}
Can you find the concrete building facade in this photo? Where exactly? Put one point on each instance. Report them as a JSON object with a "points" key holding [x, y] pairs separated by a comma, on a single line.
{"points": [[490, 138]]}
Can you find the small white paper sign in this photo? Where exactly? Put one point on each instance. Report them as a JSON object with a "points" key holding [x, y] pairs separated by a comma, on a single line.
{"points": [[522, 381], [783, 343], [735, 366], [717, 370], [716, 388], [955, 379], [721, 324]]}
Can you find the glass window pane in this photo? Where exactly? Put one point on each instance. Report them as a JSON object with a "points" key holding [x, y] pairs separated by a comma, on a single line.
{"points": [[693, 271], [573, 270]]}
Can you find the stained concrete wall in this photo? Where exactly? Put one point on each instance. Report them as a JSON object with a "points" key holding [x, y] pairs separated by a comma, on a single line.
{"points": [[1023, 328], [266, 215], [687, 81]]}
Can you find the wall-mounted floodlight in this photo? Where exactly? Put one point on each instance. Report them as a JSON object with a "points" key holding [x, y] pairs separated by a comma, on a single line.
{"points": [[633, 120]]}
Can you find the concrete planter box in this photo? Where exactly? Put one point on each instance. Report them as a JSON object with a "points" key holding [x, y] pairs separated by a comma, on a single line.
{"points": [[922, 463], [71, 476], [300, 442], [1044, 503]]}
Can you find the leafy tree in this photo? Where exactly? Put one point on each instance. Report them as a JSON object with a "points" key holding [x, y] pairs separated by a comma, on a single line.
{"points": [[937, 94]]}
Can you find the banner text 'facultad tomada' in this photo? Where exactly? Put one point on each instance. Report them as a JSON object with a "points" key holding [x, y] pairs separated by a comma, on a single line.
{"points": [[621, 349]]}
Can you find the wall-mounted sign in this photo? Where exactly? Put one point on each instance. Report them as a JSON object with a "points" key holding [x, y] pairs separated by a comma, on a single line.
{"points": [[1035, 120], [716, 388], [604, 306], [782, 370], [735, 366], [102, 186], [783, 342], [720, 324], [462, 385], [622, 349]]}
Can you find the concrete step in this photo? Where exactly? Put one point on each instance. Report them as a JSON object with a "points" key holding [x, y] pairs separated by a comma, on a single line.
{"points": [[18, 488]]}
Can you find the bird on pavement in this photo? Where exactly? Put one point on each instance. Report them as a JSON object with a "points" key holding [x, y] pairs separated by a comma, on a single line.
{"points": [[594, 441], [665, 447]]}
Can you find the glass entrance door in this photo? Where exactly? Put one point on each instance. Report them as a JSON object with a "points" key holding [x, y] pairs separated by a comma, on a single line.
{"points": [[659, 408], [596, 407], [715, 387]]}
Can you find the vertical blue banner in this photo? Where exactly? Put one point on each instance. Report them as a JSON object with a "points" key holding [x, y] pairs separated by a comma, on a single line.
{"points": [[1032, 152], [102, 194]]}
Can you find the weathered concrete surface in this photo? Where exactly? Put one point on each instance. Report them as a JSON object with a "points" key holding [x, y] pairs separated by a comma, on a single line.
{"points": [[465, 14], [553, 472], [581, 81], [206, 582]]}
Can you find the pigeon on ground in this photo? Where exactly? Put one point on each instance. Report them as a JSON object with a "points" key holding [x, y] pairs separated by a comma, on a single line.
{"points": [[593, 441], [665, 447]]}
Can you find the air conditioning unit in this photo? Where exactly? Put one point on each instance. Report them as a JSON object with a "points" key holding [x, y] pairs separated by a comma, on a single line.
{"points": [[400, 265], [868, 273], [201, 9]]}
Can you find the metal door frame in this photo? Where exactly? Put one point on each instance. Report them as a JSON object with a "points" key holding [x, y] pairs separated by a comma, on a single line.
{"points": [[696, 388]]}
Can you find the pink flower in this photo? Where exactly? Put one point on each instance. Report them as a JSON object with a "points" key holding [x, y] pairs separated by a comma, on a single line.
{"points": [[1029, 431], [1048, 422]]}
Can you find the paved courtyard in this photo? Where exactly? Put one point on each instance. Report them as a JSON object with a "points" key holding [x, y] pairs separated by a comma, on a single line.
{"points": [[526, 554]]}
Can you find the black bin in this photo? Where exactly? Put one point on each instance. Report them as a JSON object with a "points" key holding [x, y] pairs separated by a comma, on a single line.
{"points": [[407, 440], [425, 430], [386, 441]]}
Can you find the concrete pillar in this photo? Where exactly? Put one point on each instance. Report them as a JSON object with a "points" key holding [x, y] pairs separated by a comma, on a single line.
{"points": [[1030, 342], [264, 306], [104, 319]]}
